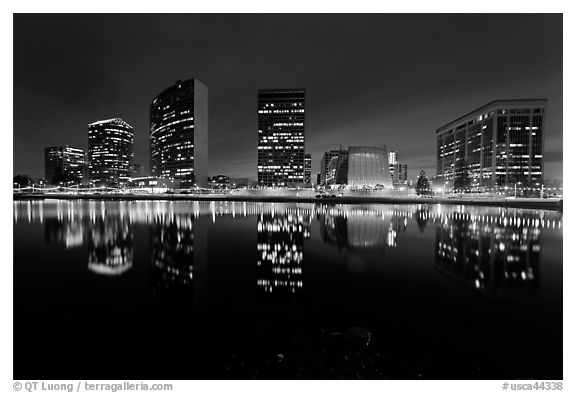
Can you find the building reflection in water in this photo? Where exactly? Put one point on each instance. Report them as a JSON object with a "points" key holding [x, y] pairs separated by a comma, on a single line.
{"points": [[108, 236], [280, 245], [172, 252], [360, 230], [110, 246], [489, 249], [70, 234], [492, 254]]}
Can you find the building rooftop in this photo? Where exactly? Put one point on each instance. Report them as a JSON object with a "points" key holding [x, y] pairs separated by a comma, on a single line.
{"points": [[511, 103], [115, 120]]}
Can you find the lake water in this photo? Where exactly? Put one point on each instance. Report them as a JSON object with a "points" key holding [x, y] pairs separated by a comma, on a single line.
{"points": [[219, 290]]}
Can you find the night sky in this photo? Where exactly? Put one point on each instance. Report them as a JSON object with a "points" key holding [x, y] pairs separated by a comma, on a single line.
{"points": [[370, 79]]}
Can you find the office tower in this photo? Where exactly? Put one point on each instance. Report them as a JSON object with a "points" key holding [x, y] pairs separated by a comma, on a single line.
{"points": [[281, 137], [110, 152], [324, 165], [65, 164], [393, 157], [308, 168], [499, 144], [179, 133]]}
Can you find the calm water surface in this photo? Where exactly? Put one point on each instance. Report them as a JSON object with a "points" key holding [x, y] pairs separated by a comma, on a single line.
{"points": [[215, 290]]}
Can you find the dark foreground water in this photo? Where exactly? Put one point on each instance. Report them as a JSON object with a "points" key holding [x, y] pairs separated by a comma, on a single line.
{"points": [[215, 290]]}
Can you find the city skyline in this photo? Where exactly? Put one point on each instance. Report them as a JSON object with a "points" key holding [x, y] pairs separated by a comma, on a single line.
{"points": [[361, 89]]}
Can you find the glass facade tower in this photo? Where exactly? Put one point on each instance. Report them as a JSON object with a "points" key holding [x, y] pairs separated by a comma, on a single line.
{"points": [[179, 133], [281, 137], [110, 152]]}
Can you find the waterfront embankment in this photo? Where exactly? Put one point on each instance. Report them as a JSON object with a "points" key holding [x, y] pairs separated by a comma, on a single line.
{"points": [[522, 203]]}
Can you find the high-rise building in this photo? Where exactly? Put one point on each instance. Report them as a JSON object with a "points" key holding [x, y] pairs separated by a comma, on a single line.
{"points": [[179, 133], [110, 152], [280, 137], [324, 164], [499, 144], [65, 164], [393, 157], [308, 168]]}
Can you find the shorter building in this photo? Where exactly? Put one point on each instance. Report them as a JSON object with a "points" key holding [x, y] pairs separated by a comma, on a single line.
{"points": [[324, 163], [136, 170], [330, 174], [220, 181], [399, 174], [367, 167], [308, 168], [360, 167], [242, 182], [65, 164], [110, 152], [153, 184], [318, 179]]}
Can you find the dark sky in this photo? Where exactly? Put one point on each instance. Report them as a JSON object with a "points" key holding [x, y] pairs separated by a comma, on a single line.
{"points": [[370, 79]]}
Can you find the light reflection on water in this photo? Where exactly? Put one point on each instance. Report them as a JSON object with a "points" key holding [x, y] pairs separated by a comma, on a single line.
{"points": [[389, 268], [494, 250]]}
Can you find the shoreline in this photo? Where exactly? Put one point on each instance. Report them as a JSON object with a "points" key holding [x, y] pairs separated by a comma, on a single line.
{"points": [[519, 203]]}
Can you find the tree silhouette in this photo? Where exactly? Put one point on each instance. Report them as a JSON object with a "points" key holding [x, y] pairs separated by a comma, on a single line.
{"points": [[422, 219], [22, 180], [423, 185]]}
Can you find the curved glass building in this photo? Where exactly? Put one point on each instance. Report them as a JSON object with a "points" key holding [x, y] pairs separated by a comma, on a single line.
{"points": [[368, 167], [110, 152], [179, 133], [360, 167]]}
